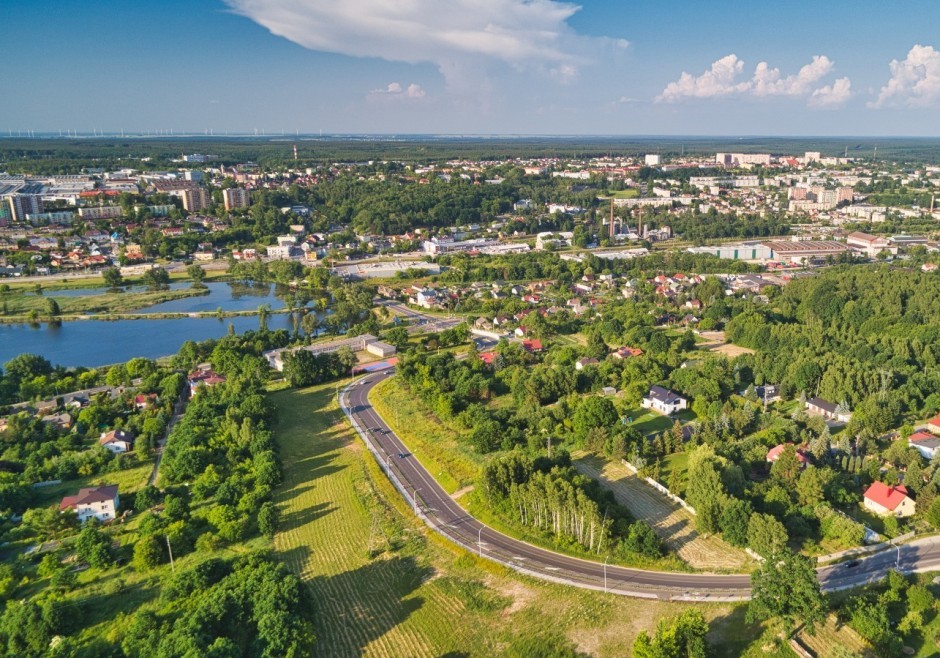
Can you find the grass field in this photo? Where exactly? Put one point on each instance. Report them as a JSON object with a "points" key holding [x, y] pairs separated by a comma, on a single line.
{"points": [[674, 525], [384, 586], [631, 193], [129, 481], [21, 303], [650, 422], [437, 446], [675, 462], [833, 635]]}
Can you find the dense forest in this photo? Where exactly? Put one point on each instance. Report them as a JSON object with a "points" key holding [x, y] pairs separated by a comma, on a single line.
{"points": [[69, 155]]}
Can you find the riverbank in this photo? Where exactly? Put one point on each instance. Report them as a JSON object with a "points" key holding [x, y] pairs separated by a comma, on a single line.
{"points": [[114, 317], [21, 304]]}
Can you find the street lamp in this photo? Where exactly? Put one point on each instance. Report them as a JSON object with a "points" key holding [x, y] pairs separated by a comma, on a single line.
{"points": [[605, 573]]}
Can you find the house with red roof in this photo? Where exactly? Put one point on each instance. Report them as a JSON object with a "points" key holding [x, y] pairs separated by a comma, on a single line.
{"points": [[889, 501], [774, 454], [627, 352], [534, 345], [488, 357], [98, 502], [925, 443], [933, 424]]}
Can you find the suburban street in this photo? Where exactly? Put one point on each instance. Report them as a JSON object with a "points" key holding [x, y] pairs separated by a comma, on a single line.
{"points": [[446, 516]]}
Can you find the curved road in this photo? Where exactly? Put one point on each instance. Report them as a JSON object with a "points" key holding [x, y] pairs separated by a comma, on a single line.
{"points": [[445, 516]]}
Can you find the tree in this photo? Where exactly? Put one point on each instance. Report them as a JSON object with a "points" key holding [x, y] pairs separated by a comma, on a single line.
{"points": [[94, 546], [112, 277], [156, 277], [197, 273], [679, 637], [594, 411], [785, 587], [933, 513], [734, 521], [146, 498], [52, 307], [268, 516], [787, 467], [766, 535], [397, 336], [148, 553]]}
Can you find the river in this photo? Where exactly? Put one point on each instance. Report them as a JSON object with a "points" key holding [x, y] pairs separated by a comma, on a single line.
{"points": [[99, 342]]}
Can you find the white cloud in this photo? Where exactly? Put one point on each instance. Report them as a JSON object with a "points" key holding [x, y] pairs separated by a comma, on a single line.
{"points": [[718, 80], [915, 81], [832, 96], [458, 36], [395, 90], [722, 79], [767, 81]]}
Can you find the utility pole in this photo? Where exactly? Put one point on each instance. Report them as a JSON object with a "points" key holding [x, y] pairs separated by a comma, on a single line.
{"points": [[170, 548]]}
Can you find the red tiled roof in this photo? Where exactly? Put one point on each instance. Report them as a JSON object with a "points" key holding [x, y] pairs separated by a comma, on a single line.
{"points": [[887, 497], [935, 421], [89, 495], [532, 345], [488, 357], [775, 452]]}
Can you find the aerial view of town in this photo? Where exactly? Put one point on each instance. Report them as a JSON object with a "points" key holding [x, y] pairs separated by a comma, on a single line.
{"points": [[512, 328]]}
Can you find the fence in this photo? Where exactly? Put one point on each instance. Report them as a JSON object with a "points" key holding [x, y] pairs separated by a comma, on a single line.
{"points": [[660, 488]]}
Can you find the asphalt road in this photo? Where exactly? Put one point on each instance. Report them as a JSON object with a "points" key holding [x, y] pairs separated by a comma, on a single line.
{"points": [[444, 515]]}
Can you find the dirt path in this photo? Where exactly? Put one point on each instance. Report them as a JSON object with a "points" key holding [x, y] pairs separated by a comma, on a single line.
{"points": [[673, 524]]}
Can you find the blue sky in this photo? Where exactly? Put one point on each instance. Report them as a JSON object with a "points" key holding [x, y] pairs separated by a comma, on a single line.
{"points": [[473, 66]]}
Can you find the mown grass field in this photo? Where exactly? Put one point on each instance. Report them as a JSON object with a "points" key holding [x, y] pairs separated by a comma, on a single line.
{"points": [[674, 525], [385, 586], [650, 422]]}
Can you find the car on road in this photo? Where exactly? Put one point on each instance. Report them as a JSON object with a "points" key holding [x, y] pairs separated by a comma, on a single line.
{"points": [[402, 455], [852, 564]]}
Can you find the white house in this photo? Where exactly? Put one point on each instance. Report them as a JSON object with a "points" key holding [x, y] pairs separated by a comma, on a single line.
{"points": [[889, 501], [98, 502], [925, 443], [117, 441], [664, 401], [827, 410]]}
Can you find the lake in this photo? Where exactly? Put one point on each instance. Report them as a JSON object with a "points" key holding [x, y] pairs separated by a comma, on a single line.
{"points": [[100, 342]]}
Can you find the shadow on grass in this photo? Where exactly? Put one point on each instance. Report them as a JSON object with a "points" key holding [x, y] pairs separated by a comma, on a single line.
{"points": [[294, 520], [359, 606]]}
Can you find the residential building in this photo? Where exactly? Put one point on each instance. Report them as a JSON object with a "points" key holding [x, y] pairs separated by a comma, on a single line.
{"points": [[117, 441], [194, 199], [21, 205], [828, 410], [889, 501], [933, 425], [236, 197], [925, 443], [664, 401], [774, 454], [653, 160], [101, 212], [93, 502], [581, 364]]}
